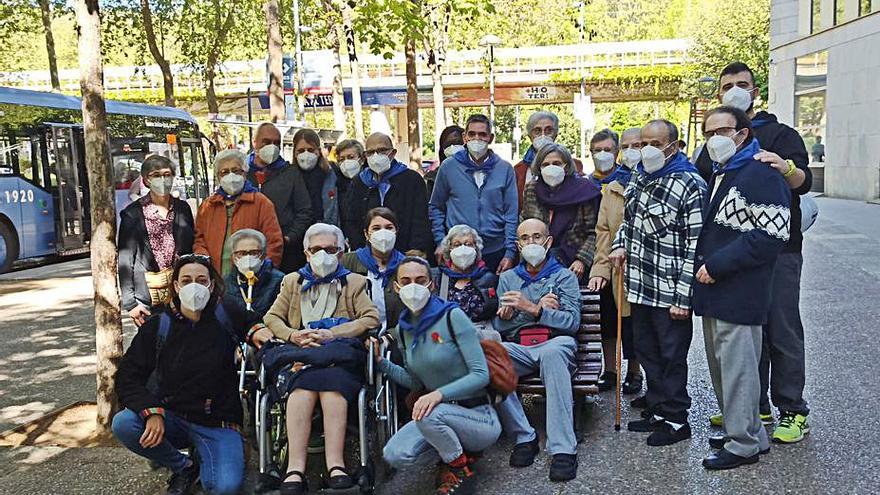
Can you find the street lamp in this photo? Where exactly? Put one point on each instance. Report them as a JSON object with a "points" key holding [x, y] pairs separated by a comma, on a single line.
{"points": [[490, 41]]}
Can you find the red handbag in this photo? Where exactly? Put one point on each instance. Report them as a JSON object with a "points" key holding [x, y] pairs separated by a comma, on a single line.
{"points": [[533, 336]]}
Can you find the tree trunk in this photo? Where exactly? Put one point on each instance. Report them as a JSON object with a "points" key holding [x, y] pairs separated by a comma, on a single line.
{"points": [[338, 90], [108, 321], [157, 53], [276, 72], [351, 46], [436, 59], [210, 92], [222, 31], [46, 15], [412, 106]]}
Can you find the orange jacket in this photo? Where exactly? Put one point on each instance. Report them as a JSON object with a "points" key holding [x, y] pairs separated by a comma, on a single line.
{"points": [[252, 210]]}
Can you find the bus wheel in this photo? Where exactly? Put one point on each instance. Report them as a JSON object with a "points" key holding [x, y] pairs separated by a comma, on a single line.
{"points": [[8, 246]]}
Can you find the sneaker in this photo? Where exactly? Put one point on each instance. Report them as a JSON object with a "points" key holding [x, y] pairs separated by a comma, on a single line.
{"points": [[564, 467], [459, 481], [633, 384], [791, 428], [523, 454], [607, 381], [183, 482], [665, 434], [718, 419], [639, 402]]}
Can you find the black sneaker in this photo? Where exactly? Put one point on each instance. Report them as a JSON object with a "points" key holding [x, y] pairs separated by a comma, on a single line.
{"points": [[633, 384], [523, 454], [564, 467], [183, 482], [607, 381], [639, 403], [645, 425], [667, 435]]}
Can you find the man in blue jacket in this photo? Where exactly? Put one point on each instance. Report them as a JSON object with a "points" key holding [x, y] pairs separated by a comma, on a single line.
{"points": [[745, 228], [542, 296], [477, 188]]}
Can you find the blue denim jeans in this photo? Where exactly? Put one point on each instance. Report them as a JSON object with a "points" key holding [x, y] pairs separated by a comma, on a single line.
{"points": [[220, 450], [444, 435]]}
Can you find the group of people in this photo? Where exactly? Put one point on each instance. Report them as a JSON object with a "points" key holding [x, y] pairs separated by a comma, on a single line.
{"points": [[310, 257]]}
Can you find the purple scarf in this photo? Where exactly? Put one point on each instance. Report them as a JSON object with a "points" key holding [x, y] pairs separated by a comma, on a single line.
{"points": [[565, 200]]}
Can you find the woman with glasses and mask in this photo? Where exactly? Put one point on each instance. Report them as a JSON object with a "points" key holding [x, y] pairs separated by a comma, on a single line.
{"points": [[318, 304], [378, 262], [350, 161], [153, 231], [443, 358], [254, 284], [178, 386], [567, 203], [320, 179], [451, 142], [235, 205], [465, 280]]}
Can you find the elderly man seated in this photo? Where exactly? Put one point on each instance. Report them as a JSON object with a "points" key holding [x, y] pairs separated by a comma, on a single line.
{"points": [[538, 319]]}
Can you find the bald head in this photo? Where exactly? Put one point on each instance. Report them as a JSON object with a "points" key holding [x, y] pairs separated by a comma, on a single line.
{"points": [[378, 140], [266, 134], [532, 226]]}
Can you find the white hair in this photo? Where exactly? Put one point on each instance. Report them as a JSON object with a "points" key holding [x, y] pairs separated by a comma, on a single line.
{"points": [[323, 229], [541, 115], [458, 231], [248, 234], [226, 155]]}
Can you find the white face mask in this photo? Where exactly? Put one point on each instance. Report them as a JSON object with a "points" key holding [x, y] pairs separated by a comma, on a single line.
{"points": [[194, 296], [534, 254], [541, 141], [737, 97], [415, 296], [553, 175], [350, 168], [604, 161], [631, 157], [323, 263], [269, 153], [463, 257], [721, 148], [248, 263], [161, 185], [477, 148], [307, 160], [232, 183], [383, 240], [452, 149], [379, 163], [653, 158]]}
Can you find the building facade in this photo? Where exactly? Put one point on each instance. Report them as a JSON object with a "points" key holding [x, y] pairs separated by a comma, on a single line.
{"points": [[825, 81]]}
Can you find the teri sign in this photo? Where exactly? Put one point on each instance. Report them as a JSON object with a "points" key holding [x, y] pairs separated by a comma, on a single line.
{"points": [[288, 73]]}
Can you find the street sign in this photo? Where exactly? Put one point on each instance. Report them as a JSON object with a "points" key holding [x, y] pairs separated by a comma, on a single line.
{"points": [[288, 73]]}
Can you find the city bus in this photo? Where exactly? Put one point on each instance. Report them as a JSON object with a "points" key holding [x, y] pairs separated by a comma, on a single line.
{"points": [[44, 194]]}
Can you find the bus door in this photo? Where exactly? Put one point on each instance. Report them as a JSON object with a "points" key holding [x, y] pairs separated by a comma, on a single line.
{"points": [[194, 171], [65, 164]]}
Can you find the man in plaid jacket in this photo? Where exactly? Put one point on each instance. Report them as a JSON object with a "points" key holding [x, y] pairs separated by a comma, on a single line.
{"points": [[657, 242]]}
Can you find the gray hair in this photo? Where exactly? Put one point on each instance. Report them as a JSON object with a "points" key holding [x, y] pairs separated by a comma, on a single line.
{"points": [[552, 148], [248, 234], [458, 231], [541, 115], [605, 134], [227, 155], [350, 143], [323, 229], [632, 130], [156, 162]]}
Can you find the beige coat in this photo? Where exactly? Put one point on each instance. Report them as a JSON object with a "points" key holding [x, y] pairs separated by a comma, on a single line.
{"points": [[610, 220], [284, 317]]}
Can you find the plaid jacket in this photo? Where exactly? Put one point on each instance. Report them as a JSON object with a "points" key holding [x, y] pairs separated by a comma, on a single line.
{"points": [[662, 222], [582, 233]]}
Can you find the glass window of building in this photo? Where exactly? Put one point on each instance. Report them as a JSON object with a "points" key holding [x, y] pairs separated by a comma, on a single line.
{"points": [[811, 76], [839, 12], [815, 16], [864, 7]]}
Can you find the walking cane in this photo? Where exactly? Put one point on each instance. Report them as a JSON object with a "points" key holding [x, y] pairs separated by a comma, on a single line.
{"points": [[619, 345]]}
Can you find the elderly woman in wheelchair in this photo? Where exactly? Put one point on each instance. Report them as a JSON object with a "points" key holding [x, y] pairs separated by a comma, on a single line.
{"points": [[322, 305]]}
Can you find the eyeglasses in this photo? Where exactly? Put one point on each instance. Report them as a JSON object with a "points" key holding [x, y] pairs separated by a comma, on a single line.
{"points": [[328, 250], [225, 172], [252, 252], [382, 151], [721, 131], [532, 239], [160, 175]]}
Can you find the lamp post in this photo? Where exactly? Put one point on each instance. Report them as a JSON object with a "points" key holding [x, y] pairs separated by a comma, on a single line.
{"points": [[490, 41], [298, 30]]}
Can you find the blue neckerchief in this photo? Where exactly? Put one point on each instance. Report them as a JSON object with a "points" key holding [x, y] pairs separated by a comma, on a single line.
{"points": [[433, 311], [622, 175], [368, 177], [471, 166], [278, 164], [550, 267], [248, 187], [759, 123], [365, 255], [327, 323], [311, 281], [739, 160], [476, 272], [529, 157], [679, 163]]}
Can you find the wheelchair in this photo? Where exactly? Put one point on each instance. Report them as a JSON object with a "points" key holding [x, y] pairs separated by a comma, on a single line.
{"points": [[376, 422]]}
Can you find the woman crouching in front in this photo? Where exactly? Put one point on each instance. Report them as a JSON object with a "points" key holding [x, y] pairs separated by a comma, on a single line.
{"points": [[178, 384], [444, 361]]}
